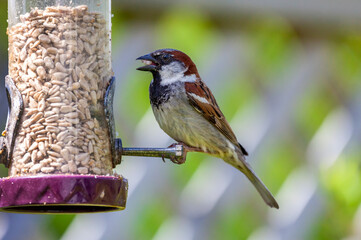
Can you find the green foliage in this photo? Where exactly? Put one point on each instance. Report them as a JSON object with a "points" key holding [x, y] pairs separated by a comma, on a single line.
{"points": [[346, 62], [278, 161], [119, 29], [272, 42], [56, 225], [182, 174], [3, 171], [135, 99], [150, 217], [330, 224], [185, 29], [234, 95], [3, 27], [312, 110], [343, 183], [236, 222]]}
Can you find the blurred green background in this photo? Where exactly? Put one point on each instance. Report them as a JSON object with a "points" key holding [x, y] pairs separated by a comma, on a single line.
{"points": [[287, 77]]}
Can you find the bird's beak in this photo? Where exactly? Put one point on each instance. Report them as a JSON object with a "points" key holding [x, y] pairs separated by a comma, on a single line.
{"points": [[151, 64]]}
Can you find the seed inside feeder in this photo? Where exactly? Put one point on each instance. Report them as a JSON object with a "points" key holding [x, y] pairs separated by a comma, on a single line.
{"points": [[59, 60]]}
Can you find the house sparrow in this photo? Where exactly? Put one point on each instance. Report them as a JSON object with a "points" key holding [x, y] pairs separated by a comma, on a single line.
{"points": [[187, 111]]}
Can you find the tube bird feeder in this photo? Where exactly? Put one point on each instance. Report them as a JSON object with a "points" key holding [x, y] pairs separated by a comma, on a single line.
{"points": [[59, 138], [59, 142]]}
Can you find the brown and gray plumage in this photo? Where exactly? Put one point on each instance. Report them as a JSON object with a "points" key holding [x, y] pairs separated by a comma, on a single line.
{"points": [[187, 111]]}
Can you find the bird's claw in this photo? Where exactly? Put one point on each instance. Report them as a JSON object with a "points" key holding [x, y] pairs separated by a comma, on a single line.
{"points": [[178, 160], [175, 159]]}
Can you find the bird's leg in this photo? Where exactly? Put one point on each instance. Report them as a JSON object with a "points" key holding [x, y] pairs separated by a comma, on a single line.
{"points": [[186, 150], [191, 149]]}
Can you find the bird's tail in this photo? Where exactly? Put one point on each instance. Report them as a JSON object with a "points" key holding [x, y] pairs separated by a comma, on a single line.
{"points": [[244, 167]]}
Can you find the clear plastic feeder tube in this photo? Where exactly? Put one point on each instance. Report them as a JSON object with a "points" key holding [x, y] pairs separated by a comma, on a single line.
{"points": [[60, 60]]}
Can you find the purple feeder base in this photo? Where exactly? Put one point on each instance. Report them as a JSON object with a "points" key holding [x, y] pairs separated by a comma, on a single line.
{"points": [[63, 194]]}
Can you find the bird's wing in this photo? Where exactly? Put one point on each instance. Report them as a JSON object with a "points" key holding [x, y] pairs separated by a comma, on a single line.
{"points": [[203, 101]]}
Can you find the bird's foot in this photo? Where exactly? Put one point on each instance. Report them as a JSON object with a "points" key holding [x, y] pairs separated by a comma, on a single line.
{"points": [[186, 149], [178, 160]]}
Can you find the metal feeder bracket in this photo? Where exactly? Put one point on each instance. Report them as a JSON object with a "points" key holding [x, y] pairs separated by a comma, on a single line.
{"points": [[175, 152], [15, 111]]}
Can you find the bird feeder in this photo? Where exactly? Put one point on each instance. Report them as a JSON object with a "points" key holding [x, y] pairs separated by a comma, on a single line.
{"points": [[59, 143]]}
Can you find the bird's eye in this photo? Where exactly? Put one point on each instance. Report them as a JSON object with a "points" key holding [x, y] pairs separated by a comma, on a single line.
{"points": [[166, 57]]}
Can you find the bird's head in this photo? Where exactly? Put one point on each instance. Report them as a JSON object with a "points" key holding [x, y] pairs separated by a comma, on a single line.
{"points": [[170, 65]]}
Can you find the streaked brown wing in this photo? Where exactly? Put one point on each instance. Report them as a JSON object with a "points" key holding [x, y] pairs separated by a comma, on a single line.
{"points": [[210, 110]]}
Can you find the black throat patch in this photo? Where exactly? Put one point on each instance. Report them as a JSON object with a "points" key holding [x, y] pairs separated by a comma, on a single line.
{"points": [[158, 94]]}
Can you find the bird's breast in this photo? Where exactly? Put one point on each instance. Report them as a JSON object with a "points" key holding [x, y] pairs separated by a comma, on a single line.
{"points": [[173, 117]]}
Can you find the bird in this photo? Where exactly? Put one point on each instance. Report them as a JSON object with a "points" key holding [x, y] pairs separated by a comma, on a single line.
{"points": [[187, 111]]}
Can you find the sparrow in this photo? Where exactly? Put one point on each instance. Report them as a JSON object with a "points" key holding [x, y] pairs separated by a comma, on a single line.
{"points": [[187, 111]]}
